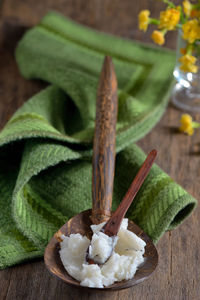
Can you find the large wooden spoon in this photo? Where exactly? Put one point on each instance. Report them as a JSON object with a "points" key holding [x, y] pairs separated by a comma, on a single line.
{"points": [[102, 188]]}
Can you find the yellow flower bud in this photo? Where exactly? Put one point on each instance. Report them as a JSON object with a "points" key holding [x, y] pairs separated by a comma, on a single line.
{"points": [[187, 7], [186, 124], [186, 119], [188, 63], [158, 37], [169, 19], [144, 19], [191, 31]]}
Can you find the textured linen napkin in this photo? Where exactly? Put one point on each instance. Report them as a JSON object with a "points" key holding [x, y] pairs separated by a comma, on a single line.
{"points": [[46, 147]]}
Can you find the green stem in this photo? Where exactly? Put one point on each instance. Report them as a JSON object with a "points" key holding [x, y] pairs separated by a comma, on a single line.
{"points": [[169, 3], [195, 125], [154, 21], [183, 17], [189, 48], [164, 31]]}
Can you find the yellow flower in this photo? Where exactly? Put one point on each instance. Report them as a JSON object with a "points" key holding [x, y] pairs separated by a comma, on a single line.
{"points": [[188, 63], [186, 124], [158, 37], [144, 19], [169, 18], [187, 7], [191, 31]]}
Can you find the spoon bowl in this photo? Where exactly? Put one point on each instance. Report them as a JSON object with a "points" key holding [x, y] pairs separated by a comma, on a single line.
{"points": [[81, 224]]}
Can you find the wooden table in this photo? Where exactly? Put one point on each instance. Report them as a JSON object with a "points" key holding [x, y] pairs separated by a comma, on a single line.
{"points": [[177, 276]]}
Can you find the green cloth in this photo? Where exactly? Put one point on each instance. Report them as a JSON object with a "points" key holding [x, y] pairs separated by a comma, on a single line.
{"points": [[46, 147]]}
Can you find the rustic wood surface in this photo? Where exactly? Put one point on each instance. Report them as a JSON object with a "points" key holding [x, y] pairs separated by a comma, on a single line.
{"points": [[178, 273]]}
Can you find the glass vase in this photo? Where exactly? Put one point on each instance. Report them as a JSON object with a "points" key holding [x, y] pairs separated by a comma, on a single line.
{"points": [[186, 92]]}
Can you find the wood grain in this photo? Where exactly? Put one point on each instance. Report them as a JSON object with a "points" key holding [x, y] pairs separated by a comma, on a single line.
{"points": [[103, 162], [178, 272]]}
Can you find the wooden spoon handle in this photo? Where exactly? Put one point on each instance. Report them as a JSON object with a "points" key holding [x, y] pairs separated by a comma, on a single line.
{"points": [[104, 144], [111, 228]]}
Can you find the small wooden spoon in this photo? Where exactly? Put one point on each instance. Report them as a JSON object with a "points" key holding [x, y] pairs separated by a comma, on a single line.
{"points": [[112, 226], [102, 188]]}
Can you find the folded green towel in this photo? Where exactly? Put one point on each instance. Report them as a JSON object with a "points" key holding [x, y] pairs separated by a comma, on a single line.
{"points": [[46, 147]]}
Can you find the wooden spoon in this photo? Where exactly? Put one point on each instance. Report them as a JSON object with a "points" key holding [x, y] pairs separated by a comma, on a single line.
{"points": [[102, 188], [112, 226]]}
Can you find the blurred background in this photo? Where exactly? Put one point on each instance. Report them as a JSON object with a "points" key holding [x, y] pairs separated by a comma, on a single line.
{"points": [[16, 16], [116, 17]]}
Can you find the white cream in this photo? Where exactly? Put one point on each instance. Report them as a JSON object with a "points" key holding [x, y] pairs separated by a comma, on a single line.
{"points": [[122, 264], [101, 247]]}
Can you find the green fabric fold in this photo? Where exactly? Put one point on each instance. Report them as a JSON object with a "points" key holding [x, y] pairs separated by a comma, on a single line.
{"points": [[46, 147]]}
